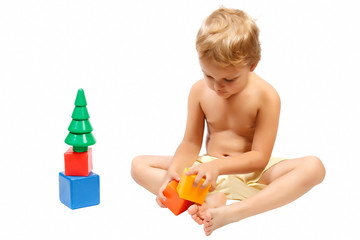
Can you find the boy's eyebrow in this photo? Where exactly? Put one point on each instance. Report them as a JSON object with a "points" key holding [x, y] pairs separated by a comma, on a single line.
{"points": [[208, 75], [232, 78], [204, 71]]}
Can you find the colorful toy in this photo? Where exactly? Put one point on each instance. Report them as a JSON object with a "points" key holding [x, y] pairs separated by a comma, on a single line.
{"points": [[187, 191], [173, 202], [78, 185], [181, 195], [80, 136], [79, 192], [78, 163]]}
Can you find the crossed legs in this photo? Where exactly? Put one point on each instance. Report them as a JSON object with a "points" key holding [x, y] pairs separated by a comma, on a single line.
{"points": [[287, 181]]}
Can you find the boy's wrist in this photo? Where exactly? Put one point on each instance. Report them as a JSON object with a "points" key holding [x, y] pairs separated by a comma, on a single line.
{"points": [[175, 170], [218, 166]]}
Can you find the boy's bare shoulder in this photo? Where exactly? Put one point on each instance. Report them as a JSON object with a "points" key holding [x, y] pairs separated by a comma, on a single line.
{"points": [[198, 89], [198, 86], [264, 90]]}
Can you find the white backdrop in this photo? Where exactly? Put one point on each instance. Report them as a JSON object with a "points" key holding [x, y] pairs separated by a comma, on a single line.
{"points": [[136, 61]]}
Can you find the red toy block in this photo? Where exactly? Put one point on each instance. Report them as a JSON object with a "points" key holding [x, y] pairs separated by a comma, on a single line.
{"points": [[78, 163], [173, 202]]}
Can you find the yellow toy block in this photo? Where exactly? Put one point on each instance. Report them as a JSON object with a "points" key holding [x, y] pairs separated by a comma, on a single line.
{"points": [[187, 191]]}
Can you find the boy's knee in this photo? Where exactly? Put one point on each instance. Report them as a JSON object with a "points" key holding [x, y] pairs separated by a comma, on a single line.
{"points": [[315, 169], [136, 164]]}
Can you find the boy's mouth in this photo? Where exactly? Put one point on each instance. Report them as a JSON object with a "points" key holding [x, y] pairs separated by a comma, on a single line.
{"points": [[219, 92]]}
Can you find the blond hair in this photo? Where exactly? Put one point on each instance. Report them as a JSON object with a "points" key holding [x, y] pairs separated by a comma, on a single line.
{"points": [[229, 37]]}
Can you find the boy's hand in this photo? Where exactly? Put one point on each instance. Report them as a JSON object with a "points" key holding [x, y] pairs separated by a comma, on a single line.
{"points": [[205, 170], [170, 176]]}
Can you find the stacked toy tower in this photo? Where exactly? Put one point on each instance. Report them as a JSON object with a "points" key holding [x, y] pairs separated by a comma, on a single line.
{"points": [[78, 186]]}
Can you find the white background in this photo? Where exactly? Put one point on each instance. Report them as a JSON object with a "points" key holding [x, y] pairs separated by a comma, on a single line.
{"points": [[136, 61]]}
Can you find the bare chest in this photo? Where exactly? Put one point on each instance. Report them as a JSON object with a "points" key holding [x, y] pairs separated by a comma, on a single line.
{"points": [[238, 117]]}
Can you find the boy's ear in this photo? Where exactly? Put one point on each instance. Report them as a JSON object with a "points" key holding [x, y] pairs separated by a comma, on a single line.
{"points": [[252, 67]]}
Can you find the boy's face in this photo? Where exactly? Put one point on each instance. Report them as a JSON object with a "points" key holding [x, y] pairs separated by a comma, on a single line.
{"points": [[225, 81]]}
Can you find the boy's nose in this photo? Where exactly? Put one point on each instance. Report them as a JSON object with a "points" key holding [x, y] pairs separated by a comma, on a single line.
{"points": [[218, 86]]}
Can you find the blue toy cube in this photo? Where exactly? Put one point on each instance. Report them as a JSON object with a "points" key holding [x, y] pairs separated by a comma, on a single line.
{"points": [[79, 192]]}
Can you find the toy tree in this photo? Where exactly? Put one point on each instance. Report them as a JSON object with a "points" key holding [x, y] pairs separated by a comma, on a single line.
{"points": [[80, 136]]}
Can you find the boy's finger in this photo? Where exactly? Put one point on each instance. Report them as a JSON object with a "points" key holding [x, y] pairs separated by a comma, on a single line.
{"points": [[160, 203], [161, 194], [213, 186], [191, 171], [197, 180], [205, 184], [177, 178]]}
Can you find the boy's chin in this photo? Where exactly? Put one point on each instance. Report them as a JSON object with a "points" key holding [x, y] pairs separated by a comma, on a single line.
{"points": [[223, 94]]}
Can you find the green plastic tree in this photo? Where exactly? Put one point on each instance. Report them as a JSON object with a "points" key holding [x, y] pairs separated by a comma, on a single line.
{"points": [[80, 136]]}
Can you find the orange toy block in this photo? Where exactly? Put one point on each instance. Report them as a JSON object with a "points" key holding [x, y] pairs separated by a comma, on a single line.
{"points": [[187, 191], [78, 163], [173, 201]]}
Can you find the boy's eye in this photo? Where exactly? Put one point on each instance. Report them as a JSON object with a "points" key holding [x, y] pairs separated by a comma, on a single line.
{"points": [[228, 80]]}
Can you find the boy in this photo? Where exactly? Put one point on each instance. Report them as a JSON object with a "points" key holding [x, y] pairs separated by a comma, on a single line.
{"points": [[241, 111]]}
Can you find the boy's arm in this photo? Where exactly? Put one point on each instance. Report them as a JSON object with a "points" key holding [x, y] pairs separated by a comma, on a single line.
{"points": [[189, 148], [260, 153]]}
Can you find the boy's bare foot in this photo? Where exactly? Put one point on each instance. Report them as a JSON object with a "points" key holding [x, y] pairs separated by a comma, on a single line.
{"points": [[213, 200], [217, 217], [195, 213]]}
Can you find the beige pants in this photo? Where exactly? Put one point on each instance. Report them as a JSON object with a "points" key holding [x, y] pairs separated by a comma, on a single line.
{"points": [[239, 186]]}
